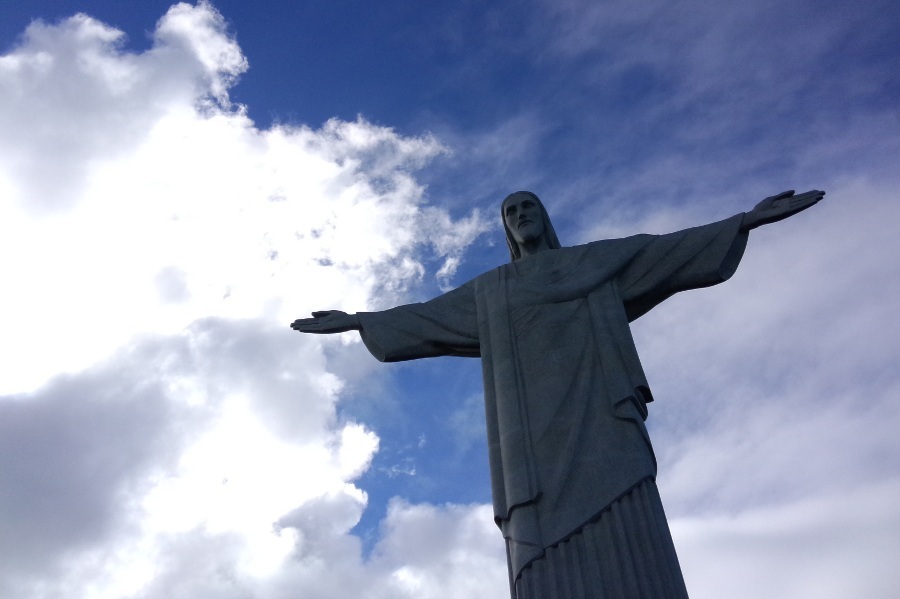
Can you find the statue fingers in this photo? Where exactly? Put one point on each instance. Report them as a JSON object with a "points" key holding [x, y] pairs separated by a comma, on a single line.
{"points": [[807, 199], [304, 324], [813, 195]]}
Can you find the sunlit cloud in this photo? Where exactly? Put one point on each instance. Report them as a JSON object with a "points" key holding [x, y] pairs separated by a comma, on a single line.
{"points": [[163, 244]]}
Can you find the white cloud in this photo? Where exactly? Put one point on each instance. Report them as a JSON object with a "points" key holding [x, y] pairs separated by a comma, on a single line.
{"points": [[830, 546], [162, 244], [71, 96], [452, 551], [156, 213]]}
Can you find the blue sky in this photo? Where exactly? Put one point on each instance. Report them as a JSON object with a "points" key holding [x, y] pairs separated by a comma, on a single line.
{"points": [[177, 183]]}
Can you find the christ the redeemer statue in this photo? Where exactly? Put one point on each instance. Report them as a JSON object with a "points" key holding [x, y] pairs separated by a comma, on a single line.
{"points": [[572, 469]]}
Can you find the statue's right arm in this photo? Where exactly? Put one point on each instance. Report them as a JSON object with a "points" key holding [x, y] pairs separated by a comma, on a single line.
{"points": [[327, 322]]}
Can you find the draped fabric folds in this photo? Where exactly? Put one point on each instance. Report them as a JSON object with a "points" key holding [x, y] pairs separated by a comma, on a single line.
{"points": [[625, 552]]}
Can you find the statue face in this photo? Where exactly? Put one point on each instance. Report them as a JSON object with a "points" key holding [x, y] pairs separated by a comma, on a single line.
{"points": [[523, 217]]}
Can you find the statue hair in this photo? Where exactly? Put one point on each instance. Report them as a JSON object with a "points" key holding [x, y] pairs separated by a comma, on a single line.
{"points": [[549, 232]]}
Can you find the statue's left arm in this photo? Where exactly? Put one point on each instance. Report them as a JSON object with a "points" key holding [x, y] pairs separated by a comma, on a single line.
{"points": [[780, 207], [699, 256]]}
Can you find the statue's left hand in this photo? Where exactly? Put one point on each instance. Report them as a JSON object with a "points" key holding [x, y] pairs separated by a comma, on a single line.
{"points": [[779, 207]]}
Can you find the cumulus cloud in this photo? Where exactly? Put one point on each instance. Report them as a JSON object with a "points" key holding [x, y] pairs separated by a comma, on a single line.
{"points": [[206, 438], [72, 95], [244, 222], [443, 552], [162, 431]]}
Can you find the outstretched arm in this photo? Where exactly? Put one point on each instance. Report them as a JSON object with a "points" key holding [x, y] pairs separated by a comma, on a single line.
{"points": [[779, 207], [327, 322], [444, 326]]}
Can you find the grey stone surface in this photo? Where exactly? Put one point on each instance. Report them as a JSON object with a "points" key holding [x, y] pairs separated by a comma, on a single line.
{"points": [[565, 394]]}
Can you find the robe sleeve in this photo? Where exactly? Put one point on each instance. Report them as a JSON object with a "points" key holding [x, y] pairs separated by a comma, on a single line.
{"points": [[688, 259], [444, 326]]}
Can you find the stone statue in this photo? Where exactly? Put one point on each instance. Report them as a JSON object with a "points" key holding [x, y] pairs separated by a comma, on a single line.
{"points": [[572, 469]]}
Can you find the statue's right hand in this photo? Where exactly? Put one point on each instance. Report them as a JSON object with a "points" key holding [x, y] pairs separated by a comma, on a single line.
{"points": [[327, 321]]}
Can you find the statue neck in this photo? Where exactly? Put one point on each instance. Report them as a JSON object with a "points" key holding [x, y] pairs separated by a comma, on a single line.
{"points": [[534, 246]]}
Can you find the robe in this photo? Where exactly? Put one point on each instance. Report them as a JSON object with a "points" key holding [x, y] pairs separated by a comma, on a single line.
{"points": [[565, 394]]}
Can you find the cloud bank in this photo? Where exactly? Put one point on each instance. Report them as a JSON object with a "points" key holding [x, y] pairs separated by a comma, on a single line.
{"points": [[162, 431]]}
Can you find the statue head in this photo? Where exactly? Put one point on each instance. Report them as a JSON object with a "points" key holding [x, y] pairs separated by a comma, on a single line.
{"points": [[525, 220]]}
